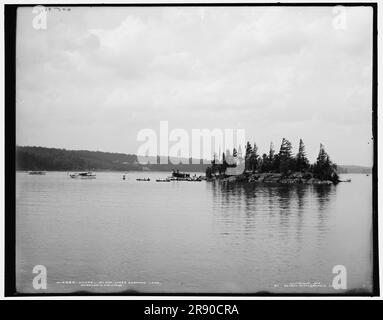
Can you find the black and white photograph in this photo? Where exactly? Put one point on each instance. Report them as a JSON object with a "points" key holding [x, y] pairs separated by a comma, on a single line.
{"points": [[195, 150]]}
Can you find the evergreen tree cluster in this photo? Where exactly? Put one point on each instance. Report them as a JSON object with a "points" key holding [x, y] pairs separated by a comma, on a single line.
{"points": [[283, 162], [323, 168]]}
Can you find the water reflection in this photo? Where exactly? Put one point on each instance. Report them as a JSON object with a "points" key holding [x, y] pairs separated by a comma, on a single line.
{"points": [[301, 190], [323, 193], [285, 209]]}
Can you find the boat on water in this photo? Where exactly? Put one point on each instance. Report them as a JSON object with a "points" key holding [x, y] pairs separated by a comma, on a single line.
{"points": [[180, 175], [163, 180], [143, 179], [41, 173], [179, 179], [83, 175]]}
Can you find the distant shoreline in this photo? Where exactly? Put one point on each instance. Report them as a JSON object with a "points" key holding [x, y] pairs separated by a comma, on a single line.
{"points": [[52, 159]]}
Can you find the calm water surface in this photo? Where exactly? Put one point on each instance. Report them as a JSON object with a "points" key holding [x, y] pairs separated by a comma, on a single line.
{"points": [[110, 235]]}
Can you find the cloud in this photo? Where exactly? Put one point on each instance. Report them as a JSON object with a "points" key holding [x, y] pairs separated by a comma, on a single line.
{"points": [[96, 76]]}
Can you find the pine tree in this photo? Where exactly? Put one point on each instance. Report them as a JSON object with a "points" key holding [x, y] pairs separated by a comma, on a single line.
{"points": [[208, 172], [322, 156], [214, 164], [271, 151], [222, 166], [324, 169], [302, 163], [273, 159], [249, 150], [265, 163], [285, 156], [254, 158], [285, 150]]}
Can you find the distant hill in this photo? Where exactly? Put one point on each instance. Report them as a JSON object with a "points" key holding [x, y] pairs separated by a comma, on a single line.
{"points": [[353, 169], [52, 159]]}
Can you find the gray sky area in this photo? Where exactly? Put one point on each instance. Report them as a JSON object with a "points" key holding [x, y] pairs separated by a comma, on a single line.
{"points": [[96, 76]]}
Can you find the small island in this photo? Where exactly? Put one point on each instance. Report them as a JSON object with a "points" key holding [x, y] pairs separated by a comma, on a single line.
{"points": [[277, 168]]}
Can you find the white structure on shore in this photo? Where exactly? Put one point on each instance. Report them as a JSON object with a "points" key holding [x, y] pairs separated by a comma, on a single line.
{"points": [[237, 159]]}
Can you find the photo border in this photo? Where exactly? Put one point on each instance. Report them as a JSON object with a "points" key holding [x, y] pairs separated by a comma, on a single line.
{"points": [[10, 17]]}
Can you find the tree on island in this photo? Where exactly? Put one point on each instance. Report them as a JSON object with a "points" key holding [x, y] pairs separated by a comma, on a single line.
{"points": [[273, 159], [248, 153], [254, 158], [264, 165], [208, 172], [251, 157], [324, 169], [222, 167], [283, 162], [285, 157], [214, 166], [301, 161]]}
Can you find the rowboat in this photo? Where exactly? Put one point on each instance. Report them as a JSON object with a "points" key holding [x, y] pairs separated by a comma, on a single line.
{"points": [[37, 172], [82, 175]]}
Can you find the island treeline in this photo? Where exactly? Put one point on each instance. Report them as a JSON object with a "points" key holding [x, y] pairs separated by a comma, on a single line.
{"points": [[283, 162]]}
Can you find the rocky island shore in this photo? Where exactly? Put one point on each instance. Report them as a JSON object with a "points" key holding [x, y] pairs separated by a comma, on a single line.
{"points": [[275, 178]]}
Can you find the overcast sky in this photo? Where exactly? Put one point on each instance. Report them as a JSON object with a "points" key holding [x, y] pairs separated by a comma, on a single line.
{"points": [[96, 76]]}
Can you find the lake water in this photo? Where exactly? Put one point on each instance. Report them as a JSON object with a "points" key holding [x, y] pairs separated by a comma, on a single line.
{"points": [[111, 235]]}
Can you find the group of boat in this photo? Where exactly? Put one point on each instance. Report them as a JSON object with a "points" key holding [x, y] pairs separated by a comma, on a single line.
{"points": [[41, 173], [176, 176], [169, 179], [74, 175], [143, 179]]}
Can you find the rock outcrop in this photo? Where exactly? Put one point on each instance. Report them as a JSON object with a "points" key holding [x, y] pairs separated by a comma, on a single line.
{"points": [[275, 178]]}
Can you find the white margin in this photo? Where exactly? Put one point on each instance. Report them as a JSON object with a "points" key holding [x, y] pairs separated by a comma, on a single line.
{"points": [[201, 297]]}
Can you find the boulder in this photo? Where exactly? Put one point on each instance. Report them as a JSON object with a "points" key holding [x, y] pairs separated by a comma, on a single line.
{"points": [[311, 181], [296, 175], [272, 178], [318, 181], [290, 180], [307, 175], [230, 179], [275, 178], [241, 178]]}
